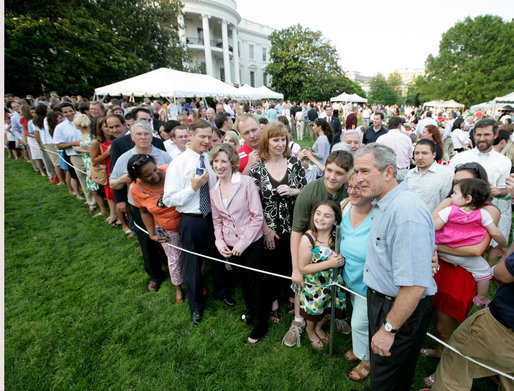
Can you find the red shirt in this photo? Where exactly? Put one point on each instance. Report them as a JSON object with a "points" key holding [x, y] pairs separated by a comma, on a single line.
{"points": [[244, 151]]}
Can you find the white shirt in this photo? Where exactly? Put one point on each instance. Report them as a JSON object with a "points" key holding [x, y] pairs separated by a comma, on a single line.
{"points": [[65, 133], [432, 186], [460, 138], [487, 219], [44, 134], [401, 144], [177, 185], [448, 129], [424, 122], [496, 165], [169, 145]]}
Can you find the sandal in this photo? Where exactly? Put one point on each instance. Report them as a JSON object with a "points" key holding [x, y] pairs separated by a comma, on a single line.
{"points": [[350, 356], [290, 307], [326, 338], [318, 345], [98, 214], [429, 380], [360, 372], [275, 316]]}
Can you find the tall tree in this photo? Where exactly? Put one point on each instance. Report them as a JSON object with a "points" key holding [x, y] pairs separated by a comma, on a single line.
{"points": [[394, 81], [381, 92], [74, 46], [303, 65], [474, 63]]}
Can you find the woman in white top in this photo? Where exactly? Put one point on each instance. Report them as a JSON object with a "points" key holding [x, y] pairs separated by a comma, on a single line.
{"points": [[460, 136]]}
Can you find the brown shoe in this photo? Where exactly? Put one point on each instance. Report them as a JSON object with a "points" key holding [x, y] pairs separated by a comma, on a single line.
{"points": [[153, 286]]}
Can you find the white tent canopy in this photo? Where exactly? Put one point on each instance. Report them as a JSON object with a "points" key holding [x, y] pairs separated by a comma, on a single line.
{"points": [[443, 103], [170, 83], [269, 94], [509, 98], [344, 97], [495, 103], [250, 92]]}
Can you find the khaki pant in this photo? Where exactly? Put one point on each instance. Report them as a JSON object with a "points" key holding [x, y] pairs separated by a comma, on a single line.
{"points": [[299, 130], [484, 339], [78, 163], [447, 147]]}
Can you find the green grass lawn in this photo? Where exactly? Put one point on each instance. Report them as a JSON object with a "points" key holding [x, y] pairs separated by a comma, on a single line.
{"points": [[78, 316]]}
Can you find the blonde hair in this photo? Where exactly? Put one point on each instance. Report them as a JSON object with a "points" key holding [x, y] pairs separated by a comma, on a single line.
{"points": [[230, 150], [509, 152], [271, 130], [233, 137], [81, 121]]}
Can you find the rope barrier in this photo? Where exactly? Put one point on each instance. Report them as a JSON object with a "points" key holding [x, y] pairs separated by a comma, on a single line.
{"points": [[69, 164], [289, 278], [340, 286]]}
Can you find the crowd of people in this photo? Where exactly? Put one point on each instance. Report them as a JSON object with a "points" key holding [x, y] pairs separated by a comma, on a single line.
{"points": [[400, 210]]}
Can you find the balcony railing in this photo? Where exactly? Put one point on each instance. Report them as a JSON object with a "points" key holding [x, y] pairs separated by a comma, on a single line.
{"points": [[214, 43]]}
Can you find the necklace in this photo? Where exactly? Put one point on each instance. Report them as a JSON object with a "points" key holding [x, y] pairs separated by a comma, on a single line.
{"points": [[158, 195]]}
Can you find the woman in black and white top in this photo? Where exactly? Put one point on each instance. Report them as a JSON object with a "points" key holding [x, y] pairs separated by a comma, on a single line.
{"points": [[279, 176]]}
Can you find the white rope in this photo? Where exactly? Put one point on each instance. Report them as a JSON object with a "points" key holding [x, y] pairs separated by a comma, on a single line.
{"points": [[69, 164], [342, 287]]}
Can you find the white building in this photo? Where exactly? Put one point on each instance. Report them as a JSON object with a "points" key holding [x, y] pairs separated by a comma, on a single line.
{"points": [[224, 45]]}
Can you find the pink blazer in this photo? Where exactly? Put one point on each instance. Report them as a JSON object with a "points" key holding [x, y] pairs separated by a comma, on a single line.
{"points": [[239, 224]]}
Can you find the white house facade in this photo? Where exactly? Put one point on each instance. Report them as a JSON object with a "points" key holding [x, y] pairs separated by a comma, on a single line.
{"points": [[224, 45]]}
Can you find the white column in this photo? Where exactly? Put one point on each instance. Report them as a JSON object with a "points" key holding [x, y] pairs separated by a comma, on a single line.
{"points": [[207, 44], [235, 48], [181, 29], [226, 57]]}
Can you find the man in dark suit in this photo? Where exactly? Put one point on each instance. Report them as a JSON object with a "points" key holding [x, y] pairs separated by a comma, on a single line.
{"points": [[335, 123]]}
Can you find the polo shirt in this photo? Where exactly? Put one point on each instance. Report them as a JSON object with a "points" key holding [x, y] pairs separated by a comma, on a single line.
{"points": [[370, 136], [244, 151], [401, 144]]}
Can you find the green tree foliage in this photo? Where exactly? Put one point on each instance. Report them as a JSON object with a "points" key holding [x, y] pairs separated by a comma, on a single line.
{"points": [[394, 81], [76, 45], [303, 66], [474, 63], [381, 92]]}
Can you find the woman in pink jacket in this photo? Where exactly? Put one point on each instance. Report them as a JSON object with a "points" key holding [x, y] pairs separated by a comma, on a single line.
{"points": [[237, 216]]}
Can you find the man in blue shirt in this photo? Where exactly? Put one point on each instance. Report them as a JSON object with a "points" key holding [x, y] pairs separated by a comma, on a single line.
{"points": [[398, 269]]}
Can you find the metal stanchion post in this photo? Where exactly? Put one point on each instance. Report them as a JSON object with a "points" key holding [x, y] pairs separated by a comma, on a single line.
{"points": [[334, 289]]}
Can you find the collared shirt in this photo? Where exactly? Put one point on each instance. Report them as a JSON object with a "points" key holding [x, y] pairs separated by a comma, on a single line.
{"points": [[65, 133], [370, 135], [448, 129], [496, 165], [401, 144], [170, 146], [424, 122], [120, 168], [177, 186], [432, 186], [16, 126], [401, 244]]}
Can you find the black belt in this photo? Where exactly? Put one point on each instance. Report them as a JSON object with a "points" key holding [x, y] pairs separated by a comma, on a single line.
{"points": [[388, 298], [199, 215], [496, 315]]}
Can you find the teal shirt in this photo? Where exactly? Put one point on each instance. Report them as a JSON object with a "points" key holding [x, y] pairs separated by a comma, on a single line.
{"points": [[353, 246]]}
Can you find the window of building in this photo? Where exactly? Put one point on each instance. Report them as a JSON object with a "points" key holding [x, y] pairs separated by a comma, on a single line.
{"points": [[200, 35], [239, 49], [203, 68], [250, 48], [252, 78], [263, 54], [222, 74]]}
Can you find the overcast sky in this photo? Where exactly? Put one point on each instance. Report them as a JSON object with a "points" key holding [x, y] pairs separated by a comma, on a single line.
{"points": [[375, 36]]}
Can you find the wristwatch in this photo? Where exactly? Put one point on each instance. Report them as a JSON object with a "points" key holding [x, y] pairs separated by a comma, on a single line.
{"points": [[389, 328]]}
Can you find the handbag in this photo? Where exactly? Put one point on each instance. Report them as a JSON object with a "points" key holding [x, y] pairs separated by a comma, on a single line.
{"points": [[98, 174]]}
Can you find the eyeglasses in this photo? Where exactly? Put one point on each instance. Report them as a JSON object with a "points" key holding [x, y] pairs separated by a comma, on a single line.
{"points": [[141, 161], [468, 166], [354, 188]]}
